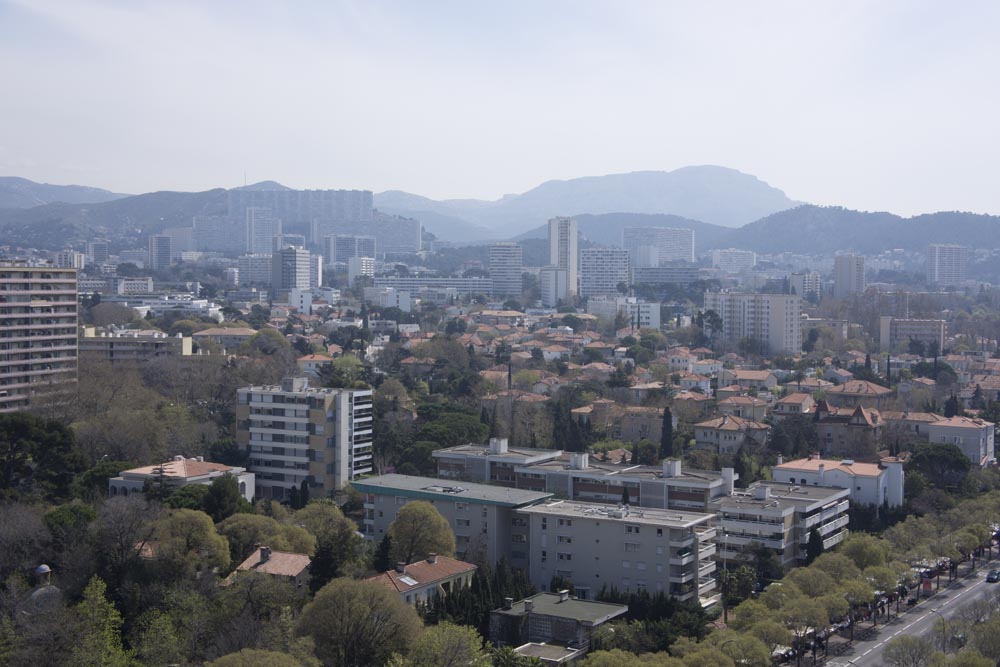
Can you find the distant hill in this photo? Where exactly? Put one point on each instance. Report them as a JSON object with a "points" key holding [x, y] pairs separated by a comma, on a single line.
{"points": [[263, 185], [606, 229], [21, 193], [130, 220], [825, 230], [715, 195]]}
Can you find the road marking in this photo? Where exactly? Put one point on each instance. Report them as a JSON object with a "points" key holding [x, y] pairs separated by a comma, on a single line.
{"points": [[867, 652]]}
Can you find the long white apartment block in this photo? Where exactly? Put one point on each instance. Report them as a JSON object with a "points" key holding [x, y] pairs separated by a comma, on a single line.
{"points": [[773, 320], [602, 270], [671, 245]]}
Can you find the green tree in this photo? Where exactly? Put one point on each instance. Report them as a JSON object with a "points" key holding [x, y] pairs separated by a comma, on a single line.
{"points": [[36, 456], [448, 645], [246, 530], [188, 542], [223, 498], [505, 656], [358, 623], [667, 436], [250, 657], [382, 560], [419, 530], [99, 643], [814, 547], [908, 651], [188, 497]]}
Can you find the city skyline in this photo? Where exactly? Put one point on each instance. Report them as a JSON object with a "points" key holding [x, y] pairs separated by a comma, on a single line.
{"points": [[849, 82]]}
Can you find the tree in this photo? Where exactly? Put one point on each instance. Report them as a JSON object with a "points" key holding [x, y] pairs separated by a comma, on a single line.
{"points": [[772, 633], [908, 651], [419, 530], [382, 560], [358, 623], [246, 530], [505, 656], [801, 616], [188, 542], [865, 550], [667, 436], [99, 643], [223, 498], [814, 547], [951, 407], [943, 464], [448, 645], [36, 456], [249, 657]]}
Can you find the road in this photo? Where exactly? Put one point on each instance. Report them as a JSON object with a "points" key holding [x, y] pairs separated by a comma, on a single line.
{"points": [[918, 621]]}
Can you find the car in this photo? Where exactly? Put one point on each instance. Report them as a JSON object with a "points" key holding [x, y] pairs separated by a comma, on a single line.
{"points": [[993, 576]]}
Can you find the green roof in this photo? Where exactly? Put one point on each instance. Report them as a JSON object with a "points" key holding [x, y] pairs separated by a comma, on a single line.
{"points": [[431, 488], [582, 611]]}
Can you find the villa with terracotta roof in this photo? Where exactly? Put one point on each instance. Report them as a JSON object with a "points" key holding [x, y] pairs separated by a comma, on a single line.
{"points": [[748, 379], [424, 580], [796, 404], [747, 407], [858, 392], [178, 472], [291, 566], [728, 433], [312, 364], [869, 483], [975, 437], [853, 433], [229, 338]]}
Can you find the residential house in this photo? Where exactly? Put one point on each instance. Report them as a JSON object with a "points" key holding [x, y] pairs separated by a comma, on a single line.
{"points": [[975, 437], [728, 433], [290, 566], [178, 472], [854, 433], [870, 484], [424, 580], [748, 379], [796, 404], [747, 407], [858, 393]]}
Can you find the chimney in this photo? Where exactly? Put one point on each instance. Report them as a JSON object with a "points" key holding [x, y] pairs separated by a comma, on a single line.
{"points": [[508, 603], [563, 595], [761, 492], [432, 558], [265, 554], [529, 606], [781, 459], [498, 445], [671, 467], [401, 568], [822, 473]]}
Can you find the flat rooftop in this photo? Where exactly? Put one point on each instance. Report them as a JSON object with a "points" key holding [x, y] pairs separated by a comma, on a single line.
{"points": [[583, 611], [608, 469], [513, 454], [782, 496], [553, 653], [633, 515], [431, 488]]}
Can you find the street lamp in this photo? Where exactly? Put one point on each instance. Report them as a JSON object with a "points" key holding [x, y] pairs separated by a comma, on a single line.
{"points": [[944, 630]]}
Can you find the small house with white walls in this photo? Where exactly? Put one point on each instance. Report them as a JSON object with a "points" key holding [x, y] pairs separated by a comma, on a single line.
{"points": [[869, 483], [178, 472]]}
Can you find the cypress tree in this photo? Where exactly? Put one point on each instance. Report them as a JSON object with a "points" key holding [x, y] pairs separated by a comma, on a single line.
{"points": [[667, 435]]}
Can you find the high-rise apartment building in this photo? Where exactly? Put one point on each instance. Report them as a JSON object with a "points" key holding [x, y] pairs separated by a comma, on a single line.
{"points": [[254, 270], [553, 284], [260, 228], [671, 245], [219, 233], [295, 433], [98, 252], [315, 270], [160, 251], [895, 334], [773, 321], [358, 267], [325, 212], [947, 264], [848, 275], [602, 270], [38, 327], [733, 260], [338, 249], [70, 259], [290, 269], [397, 235], [806, 284], [637, 312], [564, 250], [506, 267]]}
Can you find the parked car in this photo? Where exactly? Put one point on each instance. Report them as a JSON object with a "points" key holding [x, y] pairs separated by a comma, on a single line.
{"points": [[993, 576]]}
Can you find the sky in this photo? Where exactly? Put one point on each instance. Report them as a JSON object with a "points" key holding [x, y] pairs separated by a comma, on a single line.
{"points": [[889, 105]]}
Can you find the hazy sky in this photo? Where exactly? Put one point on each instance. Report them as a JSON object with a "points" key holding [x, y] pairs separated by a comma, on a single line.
{"points": [[872, 105]]}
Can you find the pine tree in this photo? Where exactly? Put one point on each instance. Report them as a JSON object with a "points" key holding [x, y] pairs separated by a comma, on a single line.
{"points": [[814, 548], [667, 435], [324, 565], [382, 560], [304, 494], [294, 498], [100, 641], [868, 362]]}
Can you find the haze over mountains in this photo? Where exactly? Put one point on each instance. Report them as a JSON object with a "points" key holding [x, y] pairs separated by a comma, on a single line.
{"points": [[725, 208]]}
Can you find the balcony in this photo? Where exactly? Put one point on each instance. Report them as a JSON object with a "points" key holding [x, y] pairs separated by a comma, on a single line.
{"points": [[707, 550], [706, 533], [705, 585], [681, 542], [682, 558], [710, 600], [706, 568], [681, 577]]}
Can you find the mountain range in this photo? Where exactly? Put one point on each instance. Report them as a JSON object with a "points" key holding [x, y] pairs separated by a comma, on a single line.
{"points": [[709, 200]]}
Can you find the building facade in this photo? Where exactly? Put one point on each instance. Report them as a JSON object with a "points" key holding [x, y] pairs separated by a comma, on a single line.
{"points": [[291, 268], [670, 245], [733, 260], [637, 312], [848, 276], [295, 433], [602, 270], [896, 333], [338, 249], [947, 264], [38, 327], [506, 267], [774, 321], [160, 251], [554, 285], [564, 250], [870, 484]]}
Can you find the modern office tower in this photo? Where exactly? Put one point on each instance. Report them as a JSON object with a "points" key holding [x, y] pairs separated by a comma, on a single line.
{"points": [[564, 250], [358, 267], [774, 321], [553, 284], [97, 252], [315, 270], [295, 433], [506, 267], [397, 235], [260, 228], [254, 270], [732, 260], [70, 259], [602, 270], [282, 240], [848, 275], [896, 333], [671, 245], [805, 283], [947, 264], [338, 249], [160, 252], [290, 269], [38, 324]]}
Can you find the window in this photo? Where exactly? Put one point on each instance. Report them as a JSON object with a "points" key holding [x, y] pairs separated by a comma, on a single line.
{"points": [[519, 539], [545, 556], [659, 532], [563, 556], [544, 522], [461, 507], [462, 522], [565, 522], [632, 530], [626, 564], [631, 547], [563, 539]]}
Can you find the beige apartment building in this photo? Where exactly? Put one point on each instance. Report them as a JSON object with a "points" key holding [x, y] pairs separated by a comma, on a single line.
{"points": [[630, 549], [132, 346], [780, 517], [297, 433], [38, 332]]}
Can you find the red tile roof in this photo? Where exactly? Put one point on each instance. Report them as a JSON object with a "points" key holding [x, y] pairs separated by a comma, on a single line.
{"points": [[280, 563], [423, 573]]}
